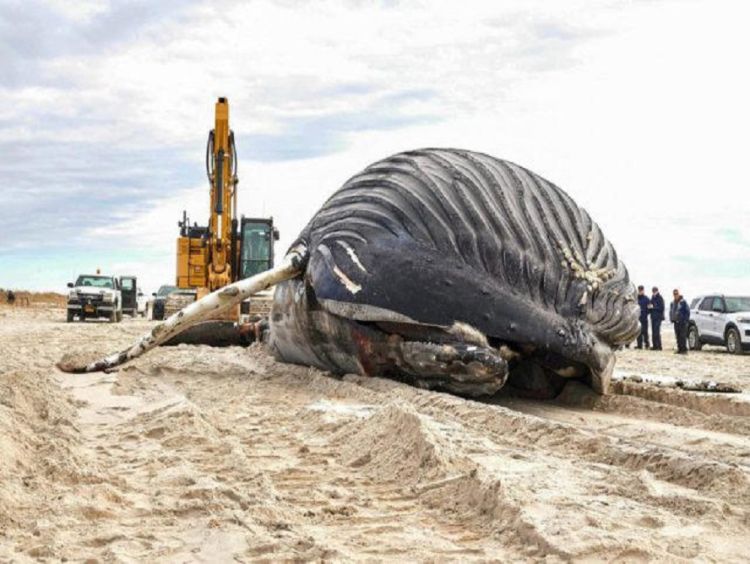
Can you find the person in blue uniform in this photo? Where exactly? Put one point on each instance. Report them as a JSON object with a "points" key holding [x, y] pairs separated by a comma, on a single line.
{"points": [[679, 315], [644, 303], [657, 316]]}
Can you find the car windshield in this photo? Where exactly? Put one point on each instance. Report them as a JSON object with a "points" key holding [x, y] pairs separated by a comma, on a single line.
{"points": [[737, 303], [166, 290], [95, 281]]}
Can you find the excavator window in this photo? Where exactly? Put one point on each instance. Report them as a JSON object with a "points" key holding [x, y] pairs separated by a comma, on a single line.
{"points": [[257, 241]]}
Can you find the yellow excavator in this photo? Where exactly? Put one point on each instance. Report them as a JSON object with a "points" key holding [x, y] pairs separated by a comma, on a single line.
{"points": [[224, 251]]}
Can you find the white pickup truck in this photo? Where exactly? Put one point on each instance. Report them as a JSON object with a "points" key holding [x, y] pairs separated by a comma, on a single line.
{"points": [[93, 296]]}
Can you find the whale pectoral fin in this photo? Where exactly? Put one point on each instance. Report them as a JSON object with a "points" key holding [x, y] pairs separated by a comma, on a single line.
{"points": [[390, 280], [457, 367], [386, 273]]}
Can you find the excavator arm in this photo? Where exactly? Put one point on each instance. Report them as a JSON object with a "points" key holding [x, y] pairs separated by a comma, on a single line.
{"points": [[221, 167]]}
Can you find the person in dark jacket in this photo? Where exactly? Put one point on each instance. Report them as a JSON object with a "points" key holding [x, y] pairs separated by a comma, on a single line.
{"points": [[645, 303], [679, 315], [657, 316]]}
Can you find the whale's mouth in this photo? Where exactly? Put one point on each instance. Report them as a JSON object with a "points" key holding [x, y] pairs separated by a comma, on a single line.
{"points": [[533, 371], [345, 337], [462, 360]]}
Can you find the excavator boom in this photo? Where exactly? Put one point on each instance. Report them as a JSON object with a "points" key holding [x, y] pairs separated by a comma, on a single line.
{"points": [[222, 174]]}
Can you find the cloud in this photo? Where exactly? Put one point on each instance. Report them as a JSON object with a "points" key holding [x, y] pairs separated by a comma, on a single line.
{"points": [[61, 182], [735, 236], [35, 32], [56, 192], [105, 107], [307, 137], [719, 268]]}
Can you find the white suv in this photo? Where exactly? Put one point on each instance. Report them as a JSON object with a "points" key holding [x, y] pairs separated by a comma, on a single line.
{"points": [[720, 320]]}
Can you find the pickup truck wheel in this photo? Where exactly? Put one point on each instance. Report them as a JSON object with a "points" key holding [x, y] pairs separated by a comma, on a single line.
{"points": [[112, 317], [734, 345], [119, 316], [694, 339], [70, 316]]}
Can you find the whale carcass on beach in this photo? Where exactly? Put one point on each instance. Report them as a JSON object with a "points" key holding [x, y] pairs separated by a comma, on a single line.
{"points": [[447, 269]]}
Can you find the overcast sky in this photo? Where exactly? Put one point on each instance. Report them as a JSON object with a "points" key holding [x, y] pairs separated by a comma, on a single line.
{"points": [[639, 110]]}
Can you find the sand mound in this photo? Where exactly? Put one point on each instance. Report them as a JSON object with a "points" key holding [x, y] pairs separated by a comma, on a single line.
{"points": [[178, 424], [38, 441], [398, 444], [395, 443]]}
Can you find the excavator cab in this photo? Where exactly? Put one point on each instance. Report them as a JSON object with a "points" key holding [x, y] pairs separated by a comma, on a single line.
{"points": [[257, 236]]}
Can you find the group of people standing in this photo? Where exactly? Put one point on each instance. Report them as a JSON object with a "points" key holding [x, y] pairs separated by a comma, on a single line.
{"points": [[679, 315]]}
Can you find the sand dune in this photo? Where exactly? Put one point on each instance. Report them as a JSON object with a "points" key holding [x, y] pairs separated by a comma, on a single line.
{"points": [[200, 454]]}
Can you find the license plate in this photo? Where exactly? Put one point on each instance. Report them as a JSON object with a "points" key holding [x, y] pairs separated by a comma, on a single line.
{"points": [[88, 308]]}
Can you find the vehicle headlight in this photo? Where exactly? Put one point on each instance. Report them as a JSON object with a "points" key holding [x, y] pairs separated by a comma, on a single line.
{"points": [[72, 295], [108, 297]]}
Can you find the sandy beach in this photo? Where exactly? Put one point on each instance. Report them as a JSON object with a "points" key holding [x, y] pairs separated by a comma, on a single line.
{"points": [[213, 455]]}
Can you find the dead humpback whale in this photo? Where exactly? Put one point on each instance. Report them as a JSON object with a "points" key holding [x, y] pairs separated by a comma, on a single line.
{"points": [[445, 268]]}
